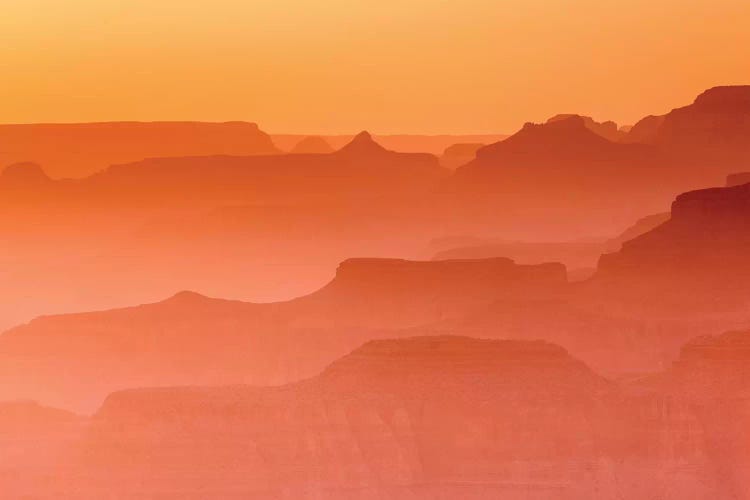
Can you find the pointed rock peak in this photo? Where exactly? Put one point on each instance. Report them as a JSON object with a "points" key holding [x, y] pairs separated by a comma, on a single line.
{"points": [[24, 173], [363, 143], [363, 136]]}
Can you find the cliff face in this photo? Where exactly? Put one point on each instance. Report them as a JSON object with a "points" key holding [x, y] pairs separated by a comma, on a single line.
{"points": [[415, 418], [719, 119], [708, 135], [701, 250], [439, 417]]}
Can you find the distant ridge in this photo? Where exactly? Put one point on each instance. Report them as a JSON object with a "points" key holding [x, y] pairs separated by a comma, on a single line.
{"points": [[80, 149]]}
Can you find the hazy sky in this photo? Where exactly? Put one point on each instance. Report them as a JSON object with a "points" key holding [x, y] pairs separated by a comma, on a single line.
{"points": [[330, 66]]}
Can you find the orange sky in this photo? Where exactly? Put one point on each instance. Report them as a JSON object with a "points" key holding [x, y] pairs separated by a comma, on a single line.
{"points": [[330, 66]]}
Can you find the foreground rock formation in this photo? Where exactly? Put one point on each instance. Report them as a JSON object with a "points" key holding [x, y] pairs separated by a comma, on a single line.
{"points": [[425, 418]]}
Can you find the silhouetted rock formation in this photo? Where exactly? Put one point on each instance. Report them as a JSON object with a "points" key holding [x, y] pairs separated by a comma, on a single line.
{"points": [[362, 145], [86, 244], [699, 256], [312, 145], [561, 174], [568, 137], [80, 149], [718, 122], [402, 143], [362, 168], [714, 128], [77, 359], [608, 129]]}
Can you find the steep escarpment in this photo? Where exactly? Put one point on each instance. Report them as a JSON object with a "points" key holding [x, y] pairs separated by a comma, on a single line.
{"points": [[698, 256], [717, 122]]}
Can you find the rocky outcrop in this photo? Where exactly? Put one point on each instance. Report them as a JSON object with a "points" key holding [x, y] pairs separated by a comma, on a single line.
{"points": [[607, 129], [565, 174], [698, 256], [566, 138], [717, 122], [714, 128]]}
